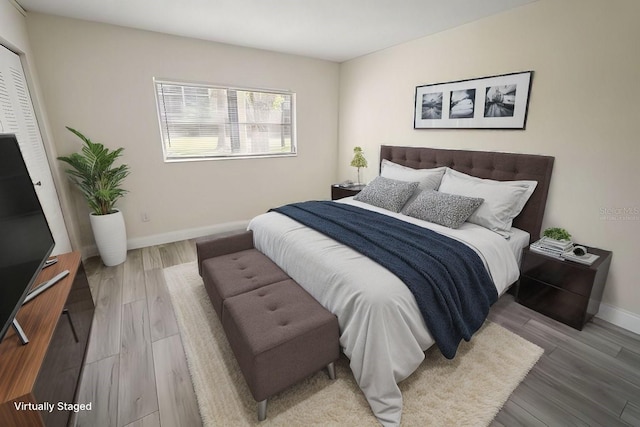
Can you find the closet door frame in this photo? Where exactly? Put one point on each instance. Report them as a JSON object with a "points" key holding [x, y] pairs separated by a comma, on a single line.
{"points": [[17, 116]]}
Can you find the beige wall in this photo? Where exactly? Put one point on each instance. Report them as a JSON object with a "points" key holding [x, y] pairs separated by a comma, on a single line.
{"points": [[98, 79], [583, 110]]}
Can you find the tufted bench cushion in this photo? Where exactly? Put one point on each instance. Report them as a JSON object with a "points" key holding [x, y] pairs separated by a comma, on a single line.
{"points": [[280, 335], [232, 274], [222, 244]]}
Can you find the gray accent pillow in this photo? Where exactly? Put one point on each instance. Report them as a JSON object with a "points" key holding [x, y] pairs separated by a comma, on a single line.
{"points": [[386, 193], [450, 210]]}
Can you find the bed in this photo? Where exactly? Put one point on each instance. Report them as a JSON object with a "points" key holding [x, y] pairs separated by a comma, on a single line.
{"points": [[382, 330]]}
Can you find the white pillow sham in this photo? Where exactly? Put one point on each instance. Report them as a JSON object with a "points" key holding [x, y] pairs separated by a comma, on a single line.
{"points": [[428, 179], [503, 200]]}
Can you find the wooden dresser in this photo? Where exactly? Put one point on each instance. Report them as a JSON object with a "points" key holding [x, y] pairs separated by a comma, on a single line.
{"points": [[49, 367]]}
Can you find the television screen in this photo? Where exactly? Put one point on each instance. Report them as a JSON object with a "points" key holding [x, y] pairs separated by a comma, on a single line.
{"points": [[25, 239]]}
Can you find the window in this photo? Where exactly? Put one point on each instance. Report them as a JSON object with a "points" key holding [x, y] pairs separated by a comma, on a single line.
{"points": [[200, 122]]}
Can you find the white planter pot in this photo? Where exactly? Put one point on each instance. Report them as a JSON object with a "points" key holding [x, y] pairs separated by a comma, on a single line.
{"points": [[111, 237]]}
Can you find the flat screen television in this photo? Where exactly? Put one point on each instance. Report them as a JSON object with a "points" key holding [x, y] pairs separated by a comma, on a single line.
{"points": [[25, 238]]}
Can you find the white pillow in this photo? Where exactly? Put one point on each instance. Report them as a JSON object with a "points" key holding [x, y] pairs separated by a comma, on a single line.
{"points": [[503, 200], [428, 179]]}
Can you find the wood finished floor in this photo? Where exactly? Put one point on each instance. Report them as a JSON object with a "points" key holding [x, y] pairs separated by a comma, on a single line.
{"points": [[136, 372]]}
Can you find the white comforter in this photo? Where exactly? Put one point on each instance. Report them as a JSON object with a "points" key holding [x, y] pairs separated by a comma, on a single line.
{"points": [[382, 330]]}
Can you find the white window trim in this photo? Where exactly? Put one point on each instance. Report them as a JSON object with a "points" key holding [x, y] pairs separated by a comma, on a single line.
{"points": [[294, 139]]}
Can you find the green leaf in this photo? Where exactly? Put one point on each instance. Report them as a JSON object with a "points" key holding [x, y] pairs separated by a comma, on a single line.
{"points": [[93, 172], [557, 233]]}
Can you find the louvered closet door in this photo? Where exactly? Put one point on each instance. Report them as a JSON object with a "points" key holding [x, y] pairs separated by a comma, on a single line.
{"points": [[17, 116]]}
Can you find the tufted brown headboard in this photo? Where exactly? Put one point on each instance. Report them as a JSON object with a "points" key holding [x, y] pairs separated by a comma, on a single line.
{"points": [[487, 164]]}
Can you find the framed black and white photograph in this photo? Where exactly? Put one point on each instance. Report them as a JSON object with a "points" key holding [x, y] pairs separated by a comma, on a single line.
{"points": [[462, 104], [495, 102], [432, 105]]}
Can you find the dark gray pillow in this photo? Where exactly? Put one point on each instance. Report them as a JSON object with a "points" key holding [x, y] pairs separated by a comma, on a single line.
{"points": [[387, 193], [445, 209]]}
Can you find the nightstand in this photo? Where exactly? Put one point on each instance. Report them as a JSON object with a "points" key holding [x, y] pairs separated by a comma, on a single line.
{"points": [[564, 290], [338, 191]]}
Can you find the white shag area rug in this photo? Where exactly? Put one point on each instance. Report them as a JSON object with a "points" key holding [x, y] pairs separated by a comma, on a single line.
{"points": [[466, 391]]}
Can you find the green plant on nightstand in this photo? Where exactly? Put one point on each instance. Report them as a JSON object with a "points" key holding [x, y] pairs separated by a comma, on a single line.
{"points": [[358, 161], [557, 233]]}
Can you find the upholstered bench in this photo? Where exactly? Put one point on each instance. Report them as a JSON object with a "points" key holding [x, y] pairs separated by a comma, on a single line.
{"points": [[278, 332], [279, 335]]}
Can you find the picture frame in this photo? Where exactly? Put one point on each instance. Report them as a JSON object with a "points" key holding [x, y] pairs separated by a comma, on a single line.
{"points": [[493, 102]]}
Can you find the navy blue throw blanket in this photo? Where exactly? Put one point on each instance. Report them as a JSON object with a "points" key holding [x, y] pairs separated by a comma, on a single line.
{"points": [[447, 278]]}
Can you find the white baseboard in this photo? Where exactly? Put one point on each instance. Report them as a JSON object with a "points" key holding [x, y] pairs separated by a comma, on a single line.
{"points": [[172, 236], [619, 317]]}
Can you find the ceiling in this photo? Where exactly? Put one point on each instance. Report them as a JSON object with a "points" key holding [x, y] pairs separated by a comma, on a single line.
{"points": [[335, 30]]}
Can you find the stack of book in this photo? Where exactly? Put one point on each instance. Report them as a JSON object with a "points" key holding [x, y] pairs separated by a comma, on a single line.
{"points": [[551, 247]]}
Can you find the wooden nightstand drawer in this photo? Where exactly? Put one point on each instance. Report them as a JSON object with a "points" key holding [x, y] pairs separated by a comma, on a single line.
{"points": [[559, 304], [561, 274]]}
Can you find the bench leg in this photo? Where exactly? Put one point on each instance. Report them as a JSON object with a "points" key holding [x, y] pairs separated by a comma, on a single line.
{"points": [[331, 369], [262, 410]]}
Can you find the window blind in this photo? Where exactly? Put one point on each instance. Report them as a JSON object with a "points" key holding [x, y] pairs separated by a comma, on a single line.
{"points": [[199, 121]]}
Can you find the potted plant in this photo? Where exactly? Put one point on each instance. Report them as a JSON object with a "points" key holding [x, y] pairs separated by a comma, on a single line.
{"points": [[94, 173], [556, 233], [358, 161]]}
